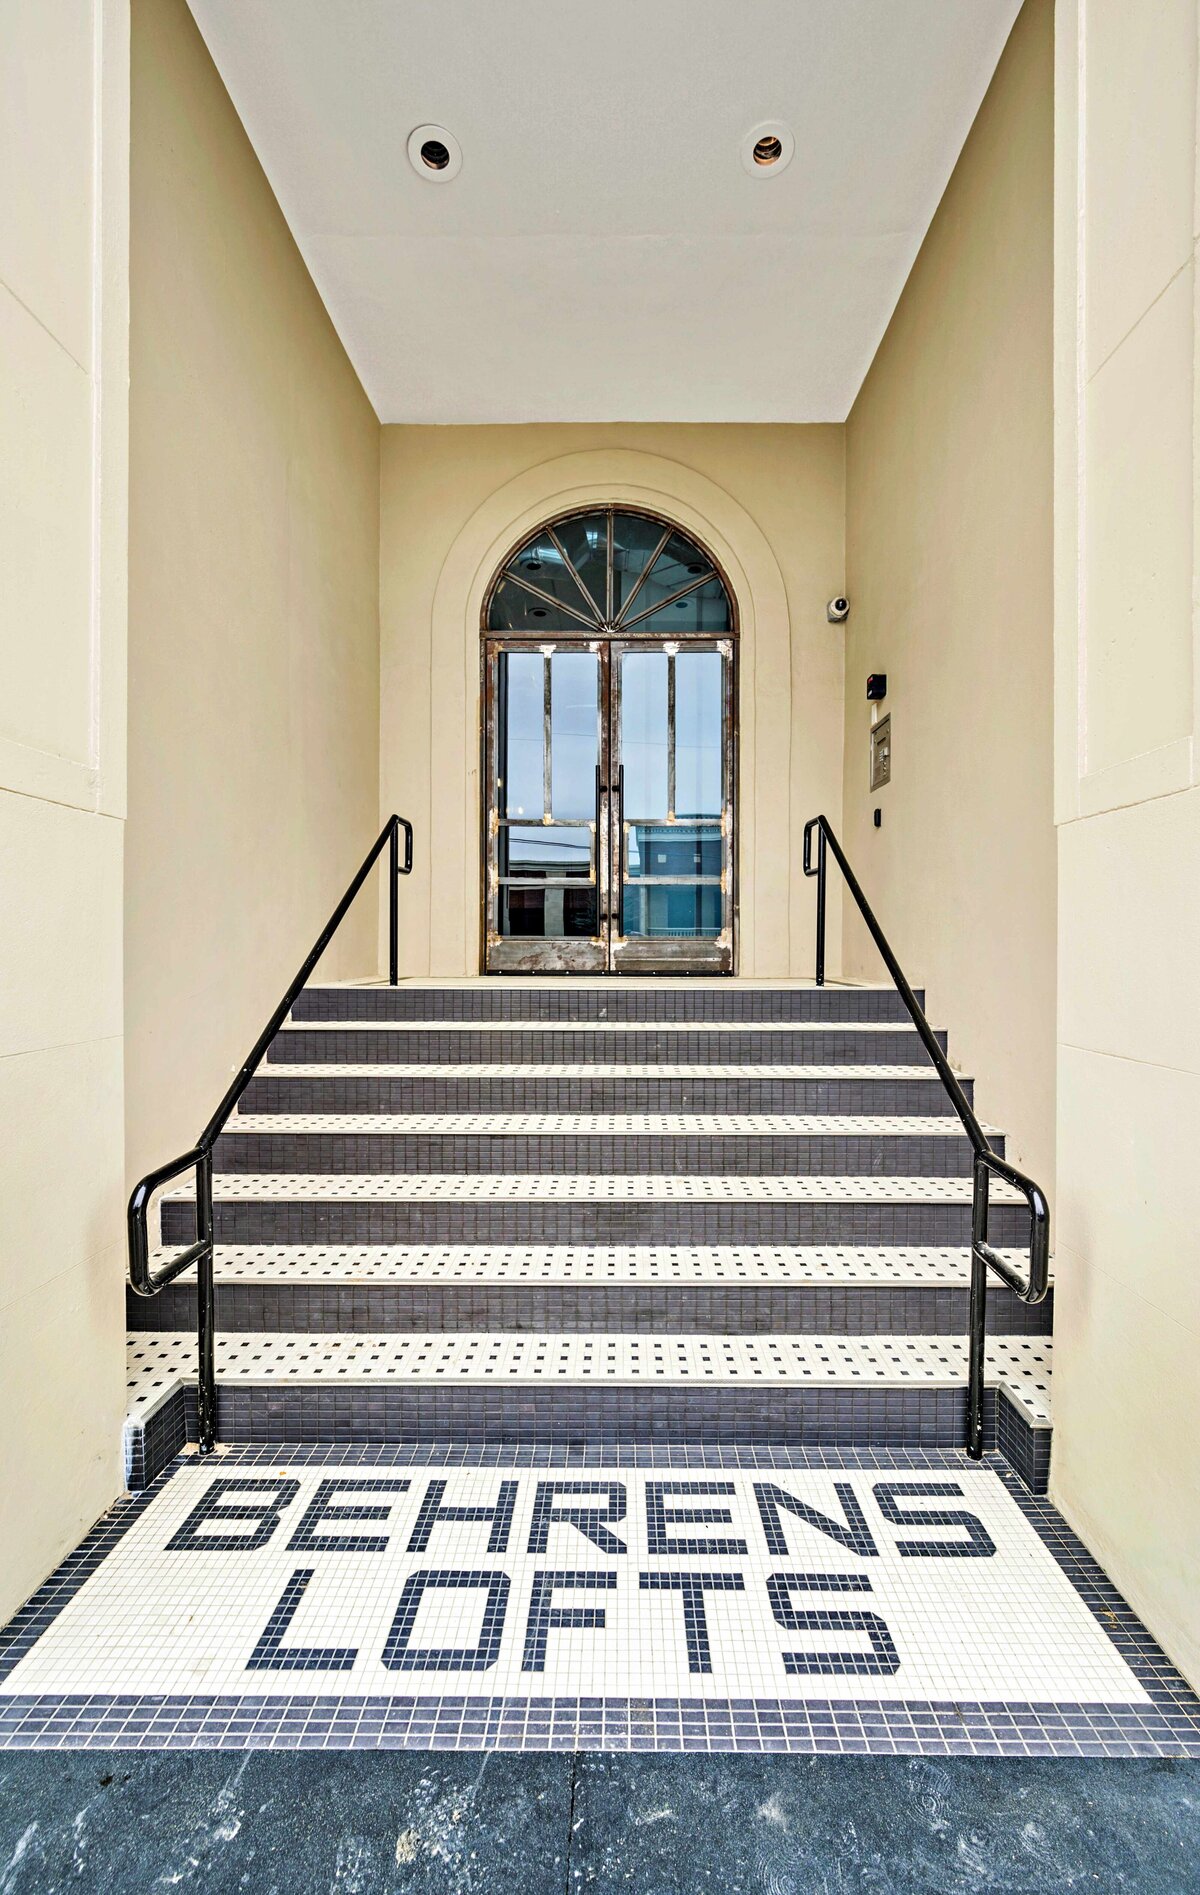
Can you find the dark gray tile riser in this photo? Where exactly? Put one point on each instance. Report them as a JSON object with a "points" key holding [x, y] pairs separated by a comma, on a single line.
{"points": [[589, 1221], [613, 1309], [611, 1002], [1026, 1449], [901, 1155], [564, 1046], [280, 1091], [150, 1444], [576, 1416]]}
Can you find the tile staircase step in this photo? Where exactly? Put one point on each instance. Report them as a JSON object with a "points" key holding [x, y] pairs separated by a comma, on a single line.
{"points": [[608, 1000], [571, 1389], [599, 1124], [675, 1264], [579, 1209], [1021, 1365], [459, 1207], [599, 1044], [910, 1091], [748, 1147], [799, 1292]]}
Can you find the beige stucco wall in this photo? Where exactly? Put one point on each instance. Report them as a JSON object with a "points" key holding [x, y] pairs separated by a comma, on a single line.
{"points": [[63, 289], [949, 470], [767, 500], [253, 658], [1126, 1468]]}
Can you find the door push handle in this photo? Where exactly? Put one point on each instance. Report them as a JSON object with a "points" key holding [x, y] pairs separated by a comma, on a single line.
{"points": [[620, 819]]}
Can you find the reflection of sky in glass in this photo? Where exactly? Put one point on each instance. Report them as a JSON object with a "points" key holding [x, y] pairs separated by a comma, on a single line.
{"points": [[524, 794], [698, 707], [574, 734], [644, 733]]}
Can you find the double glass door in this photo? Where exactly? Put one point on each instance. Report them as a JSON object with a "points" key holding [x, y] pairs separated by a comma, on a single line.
{"points": [[609, 821]]}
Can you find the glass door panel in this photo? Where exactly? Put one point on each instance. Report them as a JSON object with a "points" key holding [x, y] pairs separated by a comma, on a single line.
{"points": [[610, 783], [546, 741], [672, 748]]}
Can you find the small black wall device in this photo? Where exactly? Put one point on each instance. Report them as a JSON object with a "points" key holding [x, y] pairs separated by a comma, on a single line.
{"points": [[876, 686]]}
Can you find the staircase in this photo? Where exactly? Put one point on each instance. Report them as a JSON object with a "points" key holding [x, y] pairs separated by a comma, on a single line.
{"points": [[582, 1215]]}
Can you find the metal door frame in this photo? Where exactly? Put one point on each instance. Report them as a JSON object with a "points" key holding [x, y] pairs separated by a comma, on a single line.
{"points": [[666, 954], [516, 954], [609, 952]]}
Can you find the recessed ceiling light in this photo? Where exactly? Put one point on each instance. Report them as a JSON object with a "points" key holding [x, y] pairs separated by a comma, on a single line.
{"points": [[434, 153], [767, 148]]}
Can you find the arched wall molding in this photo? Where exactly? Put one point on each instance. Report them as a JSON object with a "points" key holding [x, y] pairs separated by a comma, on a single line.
{"points": [[604, 477]]}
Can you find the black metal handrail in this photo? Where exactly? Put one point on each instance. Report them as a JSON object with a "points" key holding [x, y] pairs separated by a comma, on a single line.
{"points": [[146, 1280], [987, 1163]]}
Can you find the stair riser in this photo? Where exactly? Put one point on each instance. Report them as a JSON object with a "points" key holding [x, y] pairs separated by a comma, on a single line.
{"points": [[594, 1418], [641, 1309], [590, 1222], [552, 1155], [612, 1002], [563, 1046], [278, 1091]]}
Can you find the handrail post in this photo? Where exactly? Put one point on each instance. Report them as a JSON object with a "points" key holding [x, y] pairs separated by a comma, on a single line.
{"points": [[206, 1313], [977, 1310], [394, 903], [820, 904]]}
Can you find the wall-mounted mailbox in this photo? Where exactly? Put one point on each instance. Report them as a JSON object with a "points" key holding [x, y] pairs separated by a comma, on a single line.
{"points": [[876, 686], [881, 753]]}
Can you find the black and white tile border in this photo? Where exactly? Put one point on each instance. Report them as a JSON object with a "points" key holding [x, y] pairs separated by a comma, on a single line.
{"points": [[1169, 1728]]}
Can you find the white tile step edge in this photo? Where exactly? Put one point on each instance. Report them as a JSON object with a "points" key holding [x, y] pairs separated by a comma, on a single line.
{"points": [[159, 1361], [287, 1069], [609, 983], [535, 1187], [899, 1267], [602, 1027], [599, 1124]]}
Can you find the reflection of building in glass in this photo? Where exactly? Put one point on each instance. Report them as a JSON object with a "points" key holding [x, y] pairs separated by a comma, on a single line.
{"points": [[652, 906], [681, 848]]}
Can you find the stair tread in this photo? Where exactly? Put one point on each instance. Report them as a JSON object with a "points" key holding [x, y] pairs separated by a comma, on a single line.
{"points": [[158, 1361], [601, 984], [448, 1069], [900, 1266], [600, 1124], [580, 1187], [377, 1025]]}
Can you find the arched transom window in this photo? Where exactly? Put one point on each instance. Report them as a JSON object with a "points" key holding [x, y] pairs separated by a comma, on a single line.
{"points": [[609, 570]]}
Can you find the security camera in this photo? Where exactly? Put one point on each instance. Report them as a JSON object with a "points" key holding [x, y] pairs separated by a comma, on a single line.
{"points": [[837, 611]]}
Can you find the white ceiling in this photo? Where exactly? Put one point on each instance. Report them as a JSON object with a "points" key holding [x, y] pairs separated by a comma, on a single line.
{"points": [[603, 255]]}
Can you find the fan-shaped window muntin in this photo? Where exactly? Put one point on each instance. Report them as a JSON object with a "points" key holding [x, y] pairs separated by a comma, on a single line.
{"points": [[609, 571]]}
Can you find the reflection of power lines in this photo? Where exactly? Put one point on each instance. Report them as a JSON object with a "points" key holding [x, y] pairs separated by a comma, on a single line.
{"points": [[543, 854]]}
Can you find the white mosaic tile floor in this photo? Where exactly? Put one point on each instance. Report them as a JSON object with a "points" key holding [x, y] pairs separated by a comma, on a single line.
{"points": [[897, 1266], [158, 1360], [616, 1582]]}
